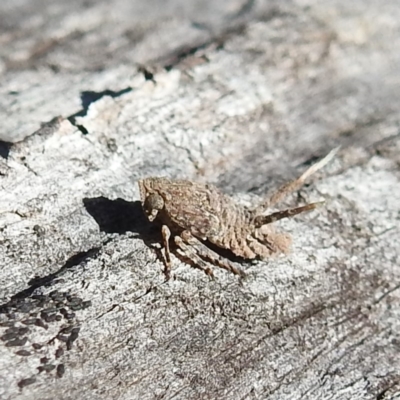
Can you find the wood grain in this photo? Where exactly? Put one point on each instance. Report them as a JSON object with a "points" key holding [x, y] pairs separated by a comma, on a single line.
{"points": [[95, 95]]}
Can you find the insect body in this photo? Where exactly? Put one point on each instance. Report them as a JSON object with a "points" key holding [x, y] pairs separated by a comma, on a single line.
{"points": [[194, 213]]}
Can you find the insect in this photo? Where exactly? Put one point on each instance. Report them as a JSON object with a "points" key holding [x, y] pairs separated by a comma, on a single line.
{"points": [[194, 213]]}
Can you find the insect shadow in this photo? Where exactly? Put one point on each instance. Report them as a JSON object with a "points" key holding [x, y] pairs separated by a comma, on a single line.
{"points": [[119, 216], [5, 149]]}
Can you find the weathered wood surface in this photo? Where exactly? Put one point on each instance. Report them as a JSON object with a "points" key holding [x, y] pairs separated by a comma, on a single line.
{"points": [[253, 92]]}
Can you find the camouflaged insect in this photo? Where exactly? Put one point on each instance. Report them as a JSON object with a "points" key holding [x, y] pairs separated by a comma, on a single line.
{"points": [[196, 213]]}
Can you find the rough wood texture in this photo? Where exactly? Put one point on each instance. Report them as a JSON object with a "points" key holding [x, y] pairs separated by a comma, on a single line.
{"points": [[252, 93]]}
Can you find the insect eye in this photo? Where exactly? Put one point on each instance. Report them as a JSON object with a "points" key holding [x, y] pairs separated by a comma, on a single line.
{"points": [[153, 203]]}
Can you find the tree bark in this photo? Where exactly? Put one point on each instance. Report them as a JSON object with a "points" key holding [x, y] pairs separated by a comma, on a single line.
{"points": [[96, 95]]}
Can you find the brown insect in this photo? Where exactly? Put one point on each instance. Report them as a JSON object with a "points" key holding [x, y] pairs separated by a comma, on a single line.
{"points": [[196, 213]]}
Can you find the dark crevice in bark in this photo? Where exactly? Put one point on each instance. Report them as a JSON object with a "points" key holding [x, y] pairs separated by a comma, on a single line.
{"points": [[89, 97], [47, 280]]}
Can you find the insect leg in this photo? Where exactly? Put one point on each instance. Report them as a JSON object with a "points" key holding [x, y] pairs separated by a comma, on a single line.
{"points": [[209, 254], [263, 250], [166, 234], [189, 252], [290, 187]]}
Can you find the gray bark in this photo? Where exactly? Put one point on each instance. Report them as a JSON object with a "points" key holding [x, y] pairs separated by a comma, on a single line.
{"points": [[95, 95]]}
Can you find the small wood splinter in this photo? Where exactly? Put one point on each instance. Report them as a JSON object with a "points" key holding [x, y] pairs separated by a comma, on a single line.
{"points": [[196, 213]]}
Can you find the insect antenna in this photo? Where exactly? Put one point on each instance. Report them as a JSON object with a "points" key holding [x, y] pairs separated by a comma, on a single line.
{"points": [[276, 216], [292, 186]]}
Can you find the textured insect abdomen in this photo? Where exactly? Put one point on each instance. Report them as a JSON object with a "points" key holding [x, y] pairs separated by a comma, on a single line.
{"points": [[234, 228]]}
